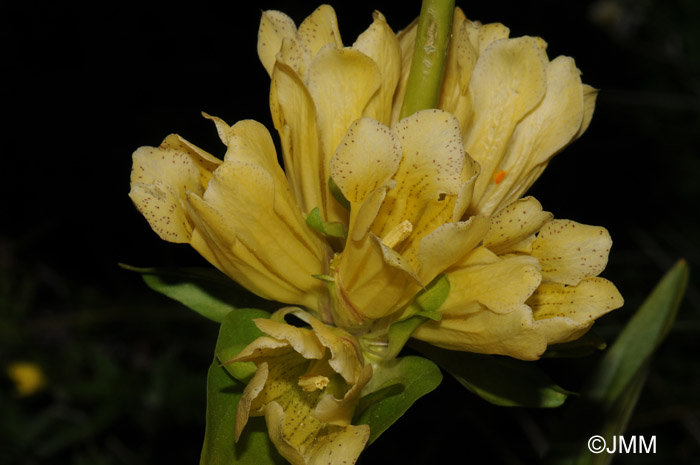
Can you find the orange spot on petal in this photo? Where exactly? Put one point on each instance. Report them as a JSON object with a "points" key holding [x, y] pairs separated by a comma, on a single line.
{"points": [[499, 176]]}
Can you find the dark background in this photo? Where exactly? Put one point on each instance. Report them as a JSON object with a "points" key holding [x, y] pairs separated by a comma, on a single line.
{"points": [[84, 85]]}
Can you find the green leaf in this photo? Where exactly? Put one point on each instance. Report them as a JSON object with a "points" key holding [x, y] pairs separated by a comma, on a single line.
{"points": [[640, 337], [581, 347], [502, 381], [207, 291], [223, 395], [609, 400], [219, 448], [236, 332], [394, 387]]}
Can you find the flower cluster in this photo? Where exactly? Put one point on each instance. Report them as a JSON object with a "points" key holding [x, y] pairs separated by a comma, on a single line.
{"points": [[371, 208]]}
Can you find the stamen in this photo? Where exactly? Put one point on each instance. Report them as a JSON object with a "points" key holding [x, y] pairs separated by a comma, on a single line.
{"points": [[400, 232], [499, 176], [310, 383]]}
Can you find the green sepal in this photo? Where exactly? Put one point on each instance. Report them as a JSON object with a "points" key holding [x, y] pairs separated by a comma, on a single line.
{"points": [[338, 194], [332, 228], [224, 392], [207, 291], [395, 385], [499, 380], [424, 306]]}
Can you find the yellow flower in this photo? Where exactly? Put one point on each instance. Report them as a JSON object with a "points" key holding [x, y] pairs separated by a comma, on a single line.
{"points": [[516, 108], [407, 188], [239, 213], [415, 204], [318, 88], [307, 385], [532, 283], [28, 377]]}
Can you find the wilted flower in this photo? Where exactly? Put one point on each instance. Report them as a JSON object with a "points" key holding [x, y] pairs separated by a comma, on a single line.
{"points": [[307, 384]]}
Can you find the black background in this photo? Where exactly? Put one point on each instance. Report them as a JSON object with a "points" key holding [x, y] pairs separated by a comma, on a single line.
{"points": [[84, 85]]}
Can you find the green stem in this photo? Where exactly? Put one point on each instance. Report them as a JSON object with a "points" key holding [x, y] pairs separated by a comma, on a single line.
{"points": [[429, 54]]}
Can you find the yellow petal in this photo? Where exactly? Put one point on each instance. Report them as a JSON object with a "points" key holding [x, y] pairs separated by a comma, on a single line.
{"points": [[589, 98], [262, 347], [514, 225], [570, 251], [361, 218], [500, 286], [275, 26], [540, 135], [585, 302], [366, 159], [346, 356], [482, 331], [450, 90], [572, 309], [362, 167], [160, 180], [340, 411], [371, 281], [508, 81], [489, 33], [320, 29], [380, 44], [250, 393], [482, 35], [294, 54], [253, 242], [430, 169], [206, 162], [310, 444], [407, 38], [448, 244], [304, 341], [341, 82], [294, 116], [244, 193]]}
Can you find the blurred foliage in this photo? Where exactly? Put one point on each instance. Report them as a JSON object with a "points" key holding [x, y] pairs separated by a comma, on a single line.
{"points": [[126, 373]]}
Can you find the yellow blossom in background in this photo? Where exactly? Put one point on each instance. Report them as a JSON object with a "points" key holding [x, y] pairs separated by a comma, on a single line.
{"points": [[436, 192], [27, 376], [307, 384]]}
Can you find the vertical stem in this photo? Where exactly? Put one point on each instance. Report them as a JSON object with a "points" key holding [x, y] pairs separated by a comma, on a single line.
{"points": [[429, 54]]}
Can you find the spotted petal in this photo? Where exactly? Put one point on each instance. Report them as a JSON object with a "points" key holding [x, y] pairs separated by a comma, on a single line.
{"points": [[564, 313]]}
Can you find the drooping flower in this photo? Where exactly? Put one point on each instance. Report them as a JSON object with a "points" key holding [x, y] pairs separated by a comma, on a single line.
{"points": [[307, 384]]}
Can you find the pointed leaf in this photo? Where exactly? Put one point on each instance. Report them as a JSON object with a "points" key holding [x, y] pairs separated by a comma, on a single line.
{"points": [[640, 337], [500, 380], [395, 386], [223, 394], [207, 291]]}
